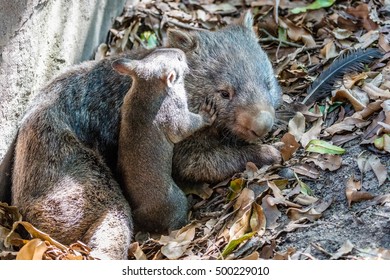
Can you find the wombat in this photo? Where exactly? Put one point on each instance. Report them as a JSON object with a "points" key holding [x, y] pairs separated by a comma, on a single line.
{"points": [[66, 148], [155, 116]]}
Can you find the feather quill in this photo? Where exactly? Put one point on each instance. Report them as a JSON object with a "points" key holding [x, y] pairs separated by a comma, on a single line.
{"points": [[348, 62]]}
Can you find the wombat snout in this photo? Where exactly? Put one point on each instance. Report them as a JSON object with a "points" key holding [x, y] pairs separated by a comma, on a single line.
{"points": [[262, 123], [254, 124]]}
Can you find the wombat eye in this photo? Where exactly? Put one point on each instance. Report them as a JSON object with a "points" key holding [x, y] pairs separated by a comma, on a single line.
{"points": [[224, 94]]}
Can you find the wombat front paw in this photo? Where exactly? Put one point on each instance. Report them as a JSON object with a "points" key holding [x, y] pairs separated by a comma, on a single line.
{"points": [[270, 155], [208, 111]]}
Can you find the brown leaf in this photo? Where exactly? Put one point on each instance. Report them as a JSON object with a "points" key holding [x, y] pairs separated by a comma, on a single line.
{"points": [[296, 126], [136, 251], [329, 51], [305, 199], [306, 170], [240, 226], [379, 169], [258, 220], [313, 132], [346, 248], [353, 194], [296, 214], [326, 162], [271, 212], [358, 102], [33, 250], [297, 33], [362, 11], [375, 92], [367, 162], [290, 146]]}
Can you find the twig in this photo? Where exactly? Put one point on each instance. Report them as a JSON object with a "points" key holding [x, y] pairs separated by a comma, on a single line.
{"points": [[274, 39], [185, 26]]}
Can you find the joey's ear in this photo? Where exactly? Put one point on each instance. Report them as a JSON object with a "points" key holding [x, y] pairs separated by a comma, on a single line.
{"points": [[186, 41], [124, 66], [171, 78], [246, 20]]}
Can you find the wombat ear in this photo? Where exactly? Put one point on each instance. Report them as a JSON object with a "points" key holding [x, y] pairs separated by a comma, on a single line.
{"points": [[171, 78], [124, 66], [246, 20], [181, 40]]}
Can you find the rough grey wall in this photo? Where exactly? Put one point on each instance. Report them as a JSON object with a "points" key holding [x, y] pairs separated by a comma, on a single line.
{"points": [[37, 40]]}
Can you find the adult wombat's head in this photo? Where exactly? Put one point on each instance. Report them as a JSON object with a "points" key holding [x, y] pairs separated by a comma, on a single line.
{"points": [[230, 66], [168, 65]]}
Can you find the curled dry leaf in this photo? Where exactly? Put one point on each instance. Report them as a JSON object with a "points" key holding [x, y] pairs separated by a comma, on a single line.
{"points": [[306, 170], [296, 126], [305, 199], [240, 226], [33, 250], [279, 197], [312, 133], [312, 213], [375, 92], [326, 162], [136, 251], [351, 79], [367, 162], [358, 102], [353, 192], [346, 248], [258, 220], [271, 212], [176, 244]]}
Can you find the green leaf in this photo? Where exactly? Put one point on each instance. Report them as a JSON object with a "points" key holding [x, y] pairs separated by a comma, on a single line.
{"points": [[317, 4], [305, 189], [282, 34], [323, 147], [334, 106], [150, 39], [234, 243], [235, 188]]}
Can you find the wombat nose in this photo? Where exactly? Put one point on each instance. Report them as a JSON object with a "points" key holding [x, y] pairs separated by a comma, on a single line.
{"points": [[262, 124]]}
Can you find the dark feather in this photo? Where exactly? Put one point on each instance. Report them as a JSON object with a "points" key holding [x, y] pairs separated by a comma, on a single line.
{"points": [[348, 62]]}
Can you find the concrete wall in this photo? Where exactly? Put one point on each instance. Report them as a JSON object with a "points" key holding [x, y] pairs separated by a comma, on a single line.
{"points": [[37, 40]]}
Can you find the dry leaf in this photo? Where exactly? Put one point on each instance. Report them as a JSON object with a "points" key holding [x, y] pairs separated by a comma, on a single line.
{"points": [[326, 161], [305, 199], [346, 248], [353, 192], [33, 250], [313, 133], [258, 220], [137, 252], [296, 126], [367, 162], [290, 146], [358, 102], [271, 212], [241, 226]]}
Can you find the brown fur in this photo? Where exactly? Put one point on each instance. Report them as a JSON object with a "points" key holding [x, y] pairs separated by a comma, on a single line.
{"points": [[66, 149], [155, 116]]}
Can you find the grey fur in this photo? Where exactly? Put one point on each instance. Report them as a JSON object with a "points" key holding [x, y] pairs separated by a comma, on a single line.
{"points": [[155, 116], [66, 149]]}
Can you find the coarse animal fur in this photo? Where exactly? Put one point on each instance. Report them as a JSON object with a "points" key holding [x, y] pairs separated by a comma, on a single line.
{"points": [[66, 148], [155, 116]]}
